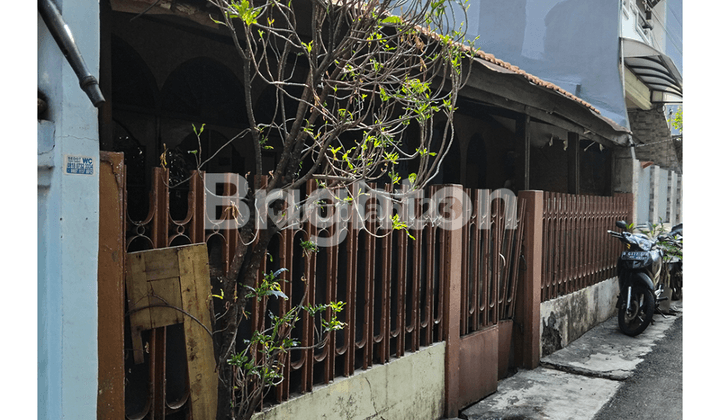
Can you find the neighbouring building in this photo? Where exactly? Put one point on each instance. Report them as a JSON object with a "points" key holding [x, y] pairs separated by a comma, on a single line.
{"points": [[625, 58]]}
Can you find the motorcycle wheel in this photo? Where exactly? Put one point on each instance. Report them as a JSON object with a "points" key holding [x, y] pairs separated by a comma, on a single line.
{"points": [[635, 316]]}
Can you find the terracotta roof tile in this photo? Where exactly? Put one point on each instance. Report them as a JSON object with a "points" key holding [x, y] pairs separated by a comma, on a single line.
{"points": [[533, 79], [515, 69]]}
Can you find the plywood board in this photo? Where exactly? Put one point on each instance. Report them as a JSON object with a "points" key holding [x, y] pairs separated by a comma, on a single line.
{"points": [[172, 286]]}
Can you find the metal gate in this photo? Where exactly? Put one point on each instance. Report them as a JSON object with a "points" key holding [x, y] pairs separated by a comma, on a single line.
{"points": [[491, 261]]}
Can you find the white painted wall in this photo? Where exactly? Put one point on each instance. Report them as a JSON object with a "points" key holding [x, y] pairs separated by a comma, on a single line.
{"points": [[643, 198]]}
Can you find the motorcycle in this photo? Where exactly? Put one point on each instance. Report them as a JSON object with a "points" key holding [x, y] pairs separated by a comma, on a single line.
{"points": [[674, 265], [639, 270]]}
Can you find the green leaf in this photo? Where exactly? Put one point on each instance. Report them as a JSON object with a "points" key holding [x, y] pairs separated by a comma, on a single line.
{"points": [[308, 46], [243, 11], [198, 133], [393, 20]]}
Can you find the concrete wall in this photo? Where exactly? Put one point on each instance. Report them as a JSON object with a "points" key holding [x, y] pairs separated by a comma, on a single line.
{"points": [[643, 198], [662, 200], [411, 387], [565, 319], [67, 225], [659, 196]]}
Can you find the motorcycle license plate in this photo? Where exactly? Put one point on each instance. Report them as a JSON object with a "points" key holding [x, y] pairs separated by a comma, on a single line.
{"points": [[635, 255]]}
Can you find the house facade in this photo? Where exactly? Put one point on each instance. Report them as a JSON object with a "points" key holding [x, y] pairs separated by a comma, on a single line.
{"points": [[162, 69]]}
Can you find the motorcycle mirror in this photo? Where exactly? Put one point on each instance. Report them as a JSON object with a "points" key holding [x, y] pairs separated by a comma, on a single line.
{"points": [[677, 230], [621, 224]]}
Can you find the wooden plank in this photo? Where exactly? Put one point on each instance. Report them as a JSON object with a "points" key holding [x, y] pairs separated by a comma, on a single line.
{"points": [[152, 282], [196, 295], [161, 264], [111, 289], [165, 292], [136, 288]]}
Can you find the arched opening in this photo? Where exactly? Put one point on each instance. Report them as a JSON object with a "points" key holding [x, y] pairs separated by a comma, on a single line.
{"points": [[203, 90]]}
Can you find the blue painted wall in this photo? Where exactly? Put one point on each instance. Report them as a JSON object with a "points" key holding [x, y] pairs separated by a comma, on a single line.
{"points": [[67, 225], [572, 43], [674, 41], [673, 24]]}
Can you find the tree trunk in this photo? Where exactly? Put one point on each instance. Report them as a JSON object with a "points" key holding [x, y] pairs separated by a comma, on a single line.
{"points": [[247, 260]]}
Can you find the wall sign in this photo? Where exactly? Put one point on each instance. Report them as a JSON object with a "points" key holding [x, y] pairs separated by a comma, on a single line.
{"points": [[78, 165]]}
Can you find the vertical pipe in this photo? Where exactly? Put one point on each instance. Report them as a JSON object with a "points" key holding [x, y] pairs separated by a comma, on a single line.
{"points": [[64, 38]]}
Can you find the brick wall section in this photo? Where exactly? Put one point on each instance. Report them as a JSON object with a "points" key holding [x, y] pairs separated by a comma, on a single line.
{"points": [[650, 129]]}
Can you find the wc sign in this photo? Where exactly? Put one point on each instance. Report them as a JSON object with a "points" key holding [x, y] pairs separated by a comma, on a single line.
{"points": [[78, 165]]}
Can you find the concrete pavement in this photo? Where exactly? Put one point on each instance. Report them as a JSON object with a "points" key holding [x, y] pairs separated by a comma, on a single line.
{"points": [[576, 381]]}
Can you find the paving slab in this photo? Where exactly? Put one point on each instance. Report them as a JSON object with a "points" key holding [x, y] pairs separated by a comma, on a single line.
{"points": [[545, 394], [576, 381], [605, 352]]}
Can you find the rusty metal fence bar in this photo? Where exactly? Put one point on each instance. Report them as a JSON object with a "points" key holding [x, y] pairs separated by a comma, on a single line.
{"points": [[577, 252], [491, 259], [159, 387], [393, 285]]}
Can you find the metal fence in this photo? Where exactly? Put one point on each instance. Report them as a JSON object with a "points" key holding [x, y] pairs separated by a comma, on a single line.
{"points": [[491, 257], [393, 282], [577, 251]]}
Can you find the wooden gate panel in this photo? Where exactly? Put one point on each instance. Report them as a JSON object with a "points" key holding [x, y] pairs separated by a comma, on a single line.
{"points": [[111, 253]]}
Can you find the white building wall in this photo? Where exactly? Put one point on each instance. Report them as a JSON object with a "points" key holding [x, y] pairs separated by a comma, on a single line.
{"points": [[662, 210], [643, 197]]}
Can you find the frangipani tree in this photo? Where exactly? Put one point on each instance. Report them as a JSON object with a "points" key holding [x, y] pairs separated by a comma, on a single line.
{"points": [[350, 79]]}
